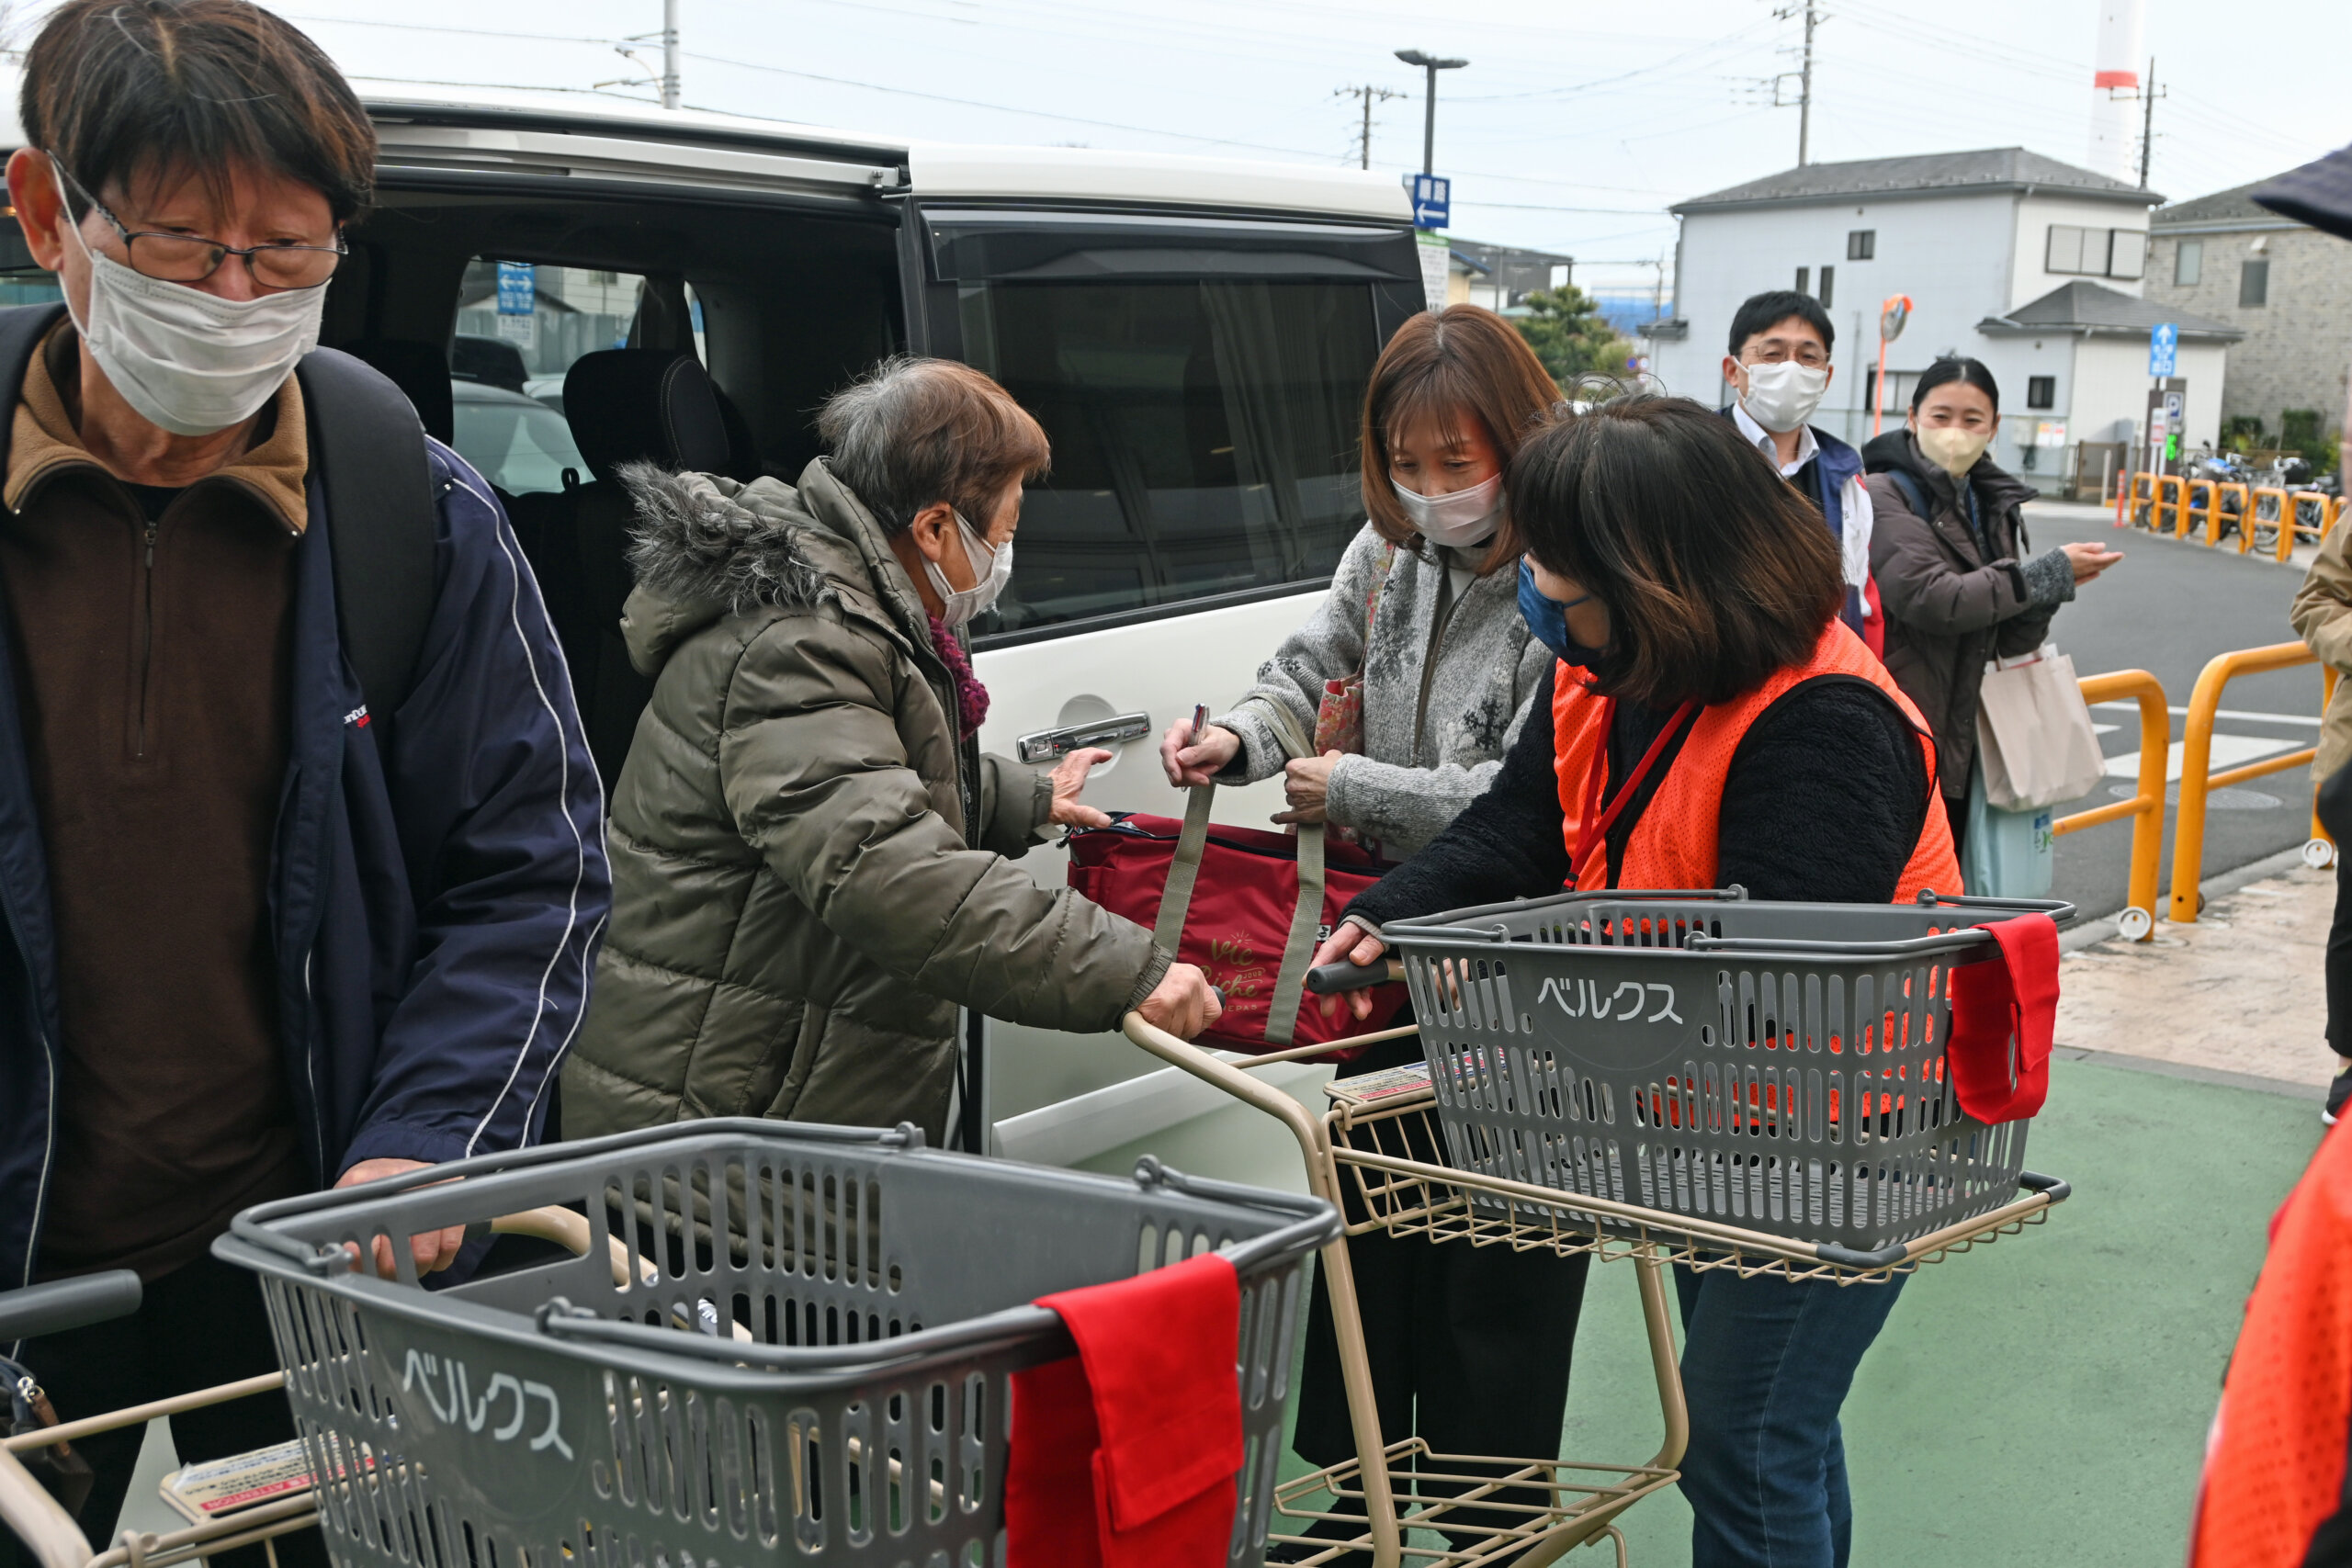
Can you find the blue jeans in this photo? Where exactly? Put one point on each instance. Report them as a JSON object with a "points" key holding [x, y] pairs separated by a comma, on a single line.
{"points": [[1766, 1365]]}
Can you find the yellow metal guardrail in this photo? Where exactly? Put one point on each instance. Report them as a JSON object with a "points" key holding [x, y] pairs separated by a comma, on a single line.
{"points": [[2144, 500], [2147, 807], [2196, 777]]}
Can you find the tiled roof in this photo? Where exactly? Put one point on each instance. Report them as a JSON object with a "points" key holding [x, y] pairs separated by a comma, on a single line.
{"points": [[1995, 168], [2093, 307]]}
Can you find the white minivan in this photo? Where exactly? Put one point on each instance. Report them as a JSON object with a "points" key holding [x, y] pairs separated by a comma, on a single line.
{"points": [[1195, 335]]}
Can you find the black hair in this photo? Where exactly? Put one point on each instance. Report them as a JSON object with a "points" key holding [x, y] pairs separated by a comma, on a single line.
{"points": [[124, 90], [1968, 372], [1715, 576], [1762, 313]]}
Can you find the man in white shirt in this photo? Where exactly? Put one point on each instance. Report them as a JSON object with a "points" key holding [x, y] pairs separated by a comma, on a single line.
{"points": [[1779, 369]]}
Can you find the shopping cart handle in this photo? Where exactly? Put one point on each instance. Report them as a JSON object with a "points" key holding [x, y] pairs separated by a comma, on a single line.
{"points": [[2050, 1187], [1329, 979], [67, 1304]]}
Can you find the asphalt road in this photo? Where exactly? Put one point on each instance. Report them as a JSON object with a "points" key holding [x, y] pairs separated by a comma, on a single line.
{"points": [[2168, 608]]}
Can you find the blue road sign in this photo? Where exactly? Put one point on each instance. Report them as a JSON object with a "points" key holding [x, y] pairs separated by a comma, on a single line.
{"points": [[1432, 199], [517, 288], [2163, 349]]}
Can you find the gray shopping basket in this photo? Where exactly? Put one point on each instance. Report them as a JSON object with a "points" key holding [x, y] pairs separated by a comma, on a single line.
{"points": [[783, 1342], [1778, 1068]]}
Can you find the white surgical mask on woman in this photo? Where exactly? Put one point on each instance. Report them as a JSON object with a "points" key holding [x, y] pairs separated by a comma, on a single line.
{"points": [[991, 569], [1783, 396], [1458, 519], [187, 360], [1954, 448]]}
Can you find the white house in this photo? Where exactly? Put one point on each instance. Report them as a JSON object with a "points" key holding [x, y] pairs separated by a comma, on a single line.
{"points": [[2027, 264]]}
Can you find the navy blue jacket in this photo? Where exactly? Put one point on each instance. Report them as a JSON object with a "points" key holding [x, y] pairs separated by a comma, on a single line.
{"points": [[439, 886]]}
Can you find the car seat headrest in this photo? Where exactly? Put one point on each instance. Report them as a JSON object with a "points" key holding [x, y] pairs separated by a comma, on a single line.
{"points": [[651, 404]]}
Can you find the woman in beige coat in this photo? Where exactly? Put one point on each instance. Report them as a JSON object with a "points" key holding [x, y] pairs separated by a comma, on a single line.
{"points": [[2323, 616]]}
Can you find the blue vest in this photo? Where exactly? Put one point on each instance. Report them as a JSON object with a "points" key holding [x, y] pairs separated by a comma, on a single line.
{"points": [[1823, 479]]}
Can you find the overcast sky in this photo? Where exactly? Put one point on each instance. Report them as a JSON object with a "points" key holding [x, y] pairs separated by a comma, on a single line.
{"points": [[1572, 127]]}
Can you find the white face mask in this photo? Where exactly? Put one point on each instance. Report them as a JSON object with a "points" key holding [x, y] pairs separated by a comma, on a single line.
{"points": [[1782, 396], [189, 361], [1461, 518], [1953, 448], [987, 580]]}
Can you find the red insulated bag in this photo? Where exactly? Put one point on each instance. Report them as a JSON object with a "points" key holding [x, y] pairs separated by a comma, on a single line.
{"points": [[1229, 899]]}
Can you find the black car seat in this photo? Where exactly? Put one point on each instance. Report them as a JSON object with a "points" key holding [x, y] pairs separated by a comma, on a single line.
{"points": [[624, 405], [421, 371]]}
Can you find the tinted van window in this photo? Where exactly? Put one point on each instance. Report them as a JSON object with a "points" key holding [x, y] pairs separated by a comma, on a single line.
{"points": [[1204, 435]]}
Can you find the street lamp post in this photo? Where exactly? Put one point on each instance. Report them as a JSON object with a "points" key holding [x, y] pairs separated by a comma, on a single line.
{"points": [[1432, 65]]}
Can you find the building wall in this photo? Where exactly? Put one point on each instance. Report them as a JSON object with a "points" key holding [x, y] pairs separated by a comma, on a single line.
{"points": [[1952, 255], [2299, 345], [2111, 384], [2030, 278]]}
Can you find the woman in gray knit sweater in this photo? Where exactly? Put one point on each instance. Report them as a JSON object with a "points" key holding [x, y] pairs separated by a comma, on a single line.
{"points": [[1415, 608], [1469, 1346]]}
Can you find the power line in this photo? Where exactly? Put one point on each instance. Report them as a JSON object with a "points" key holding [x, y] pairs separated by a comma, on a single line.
{"points": [[1368, 94]]}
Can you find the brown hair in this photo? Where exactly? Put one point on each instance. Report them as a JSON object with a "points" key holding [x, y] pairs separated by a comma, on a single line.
{"points": [[912, 432], [1715, 573], [131, 89], [1439, 365]]}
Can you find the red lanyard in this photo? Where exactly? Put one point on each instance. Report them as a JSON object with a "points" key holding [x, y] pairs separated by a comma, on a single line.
{"points": [[1593, 834]]}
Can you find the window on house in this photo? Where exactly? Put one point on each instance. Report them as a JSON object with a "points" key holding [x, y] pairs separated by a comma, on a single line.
{"points": [[1804, 280], [2253, 282], [1828, 286], [2065, 253], [2042, 391], [1862, 244], [2127, 253], [2187, 264]]}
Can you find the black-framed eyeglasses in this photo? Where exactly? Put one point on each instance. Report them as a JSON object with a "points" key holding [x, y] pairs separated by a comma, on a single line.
{"points": [[189, 258]]}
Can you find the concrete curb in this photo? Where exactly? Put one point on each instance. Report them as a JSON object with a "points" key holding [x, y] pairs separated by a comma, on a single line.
{"points": [[2312, 1092], [2100, 928]]}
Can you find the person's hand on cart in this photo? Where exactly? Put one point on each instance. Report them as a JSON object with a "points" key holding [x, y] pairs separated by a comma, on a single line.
{"points": [[434, 1250], [1183, 1003], [1351, 943]]}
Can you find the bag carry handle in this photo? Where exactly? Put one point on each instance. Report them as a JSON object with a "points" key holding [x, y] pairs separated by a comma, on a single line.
{"points": [[1298, 946]]}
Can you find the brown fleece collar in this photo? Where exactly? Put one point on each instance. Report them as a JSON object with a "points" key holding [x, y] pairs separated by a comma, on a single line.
{"points": [[44, 441]]}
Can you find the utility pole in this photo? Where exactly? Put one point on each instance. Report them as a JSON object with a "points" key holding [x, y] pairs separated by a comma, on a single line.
{"points": [[2149, 94], [669, 55], [1811, 11], [1432, 65], [1363, 144]]}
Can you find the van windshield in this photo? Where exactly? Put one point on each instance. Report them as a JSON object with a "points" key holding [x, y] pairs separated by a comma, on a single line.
{"points": [[1203, 433]]}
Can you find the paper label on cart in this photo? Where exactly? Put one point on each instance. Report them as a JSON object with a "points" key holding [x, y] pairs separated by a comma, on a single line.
{"points": [[219, 1486], [1386, 1084]]}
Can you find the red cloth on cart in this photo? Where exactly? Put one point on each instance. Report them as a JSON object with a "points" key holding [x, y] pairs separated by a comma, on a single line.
{"points": [[2011, 999], [1124, 1455]]}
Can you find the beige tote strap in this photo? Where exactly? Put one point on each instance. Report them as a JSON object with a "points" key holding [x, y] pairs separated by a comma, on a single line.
{"points": [[1183, 871], [1290, 983]]}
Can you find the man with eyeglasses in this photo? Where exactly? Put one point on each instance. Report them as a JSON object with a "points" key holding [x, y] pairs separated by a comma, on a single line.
{"points": [[1778, 369], [258, 940]]}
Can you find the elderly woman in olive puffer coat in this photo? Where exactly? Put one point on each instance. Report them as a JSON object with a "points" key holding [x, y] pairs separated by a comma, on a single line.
{"points": [[811, 855]]}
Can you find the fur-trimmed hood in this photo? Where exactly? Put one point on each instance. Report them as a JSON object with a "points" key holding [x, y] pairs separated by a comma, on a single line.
{"points": [[705, 547]]}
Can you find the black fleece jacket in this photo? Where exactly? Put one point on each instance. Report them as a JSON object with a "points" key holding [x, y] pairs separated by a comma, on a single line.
{"points": [[1824, 802]]}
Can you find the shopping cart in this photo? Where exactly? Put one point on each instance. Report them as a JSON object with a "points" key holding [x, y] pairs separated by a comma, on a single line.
{"points": [[1774, 1143], [857, 1306], [1762, 1085], [243, 1500]]}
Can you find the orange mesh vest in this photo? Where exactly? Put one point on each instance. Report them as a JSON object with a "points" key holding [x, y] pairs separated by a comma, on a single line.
{"points": [[1673, 845], [2274, 1464]]}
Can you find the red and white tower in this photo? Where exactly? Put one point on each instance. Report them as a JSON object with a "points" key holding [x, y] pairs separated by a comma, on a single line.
{"points": [[2115, 87]]}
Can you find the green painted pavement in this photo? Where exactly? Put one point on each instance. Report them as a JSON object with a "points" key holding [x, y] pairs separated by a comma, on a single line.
{"points": [[2042, 1401]]}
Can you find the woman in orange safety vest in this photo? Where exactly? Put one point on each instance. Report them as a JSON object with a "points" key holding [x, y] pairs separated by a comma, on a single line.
{"points": [[1713, 723]]}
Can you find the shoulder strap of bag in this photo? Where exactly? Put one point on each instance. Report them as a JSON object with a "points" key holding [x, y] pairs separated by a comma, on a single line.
{"points": [[367, 448], [1305, 916], [1913, 496]]}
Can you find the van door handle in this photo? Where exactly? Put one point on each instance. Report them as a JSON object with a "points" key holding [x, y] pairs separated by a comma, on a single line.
{"points": [[1044, 745]]}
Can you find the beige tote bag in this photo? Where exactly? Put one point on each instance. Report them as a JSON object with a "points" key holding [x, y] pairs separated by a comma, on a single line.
{"points": [[2033, 733]]}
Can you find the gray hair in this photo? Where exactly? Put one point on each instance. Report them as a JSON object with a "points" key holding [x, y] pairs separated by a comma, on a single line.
{"points": [[912, 432]]}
